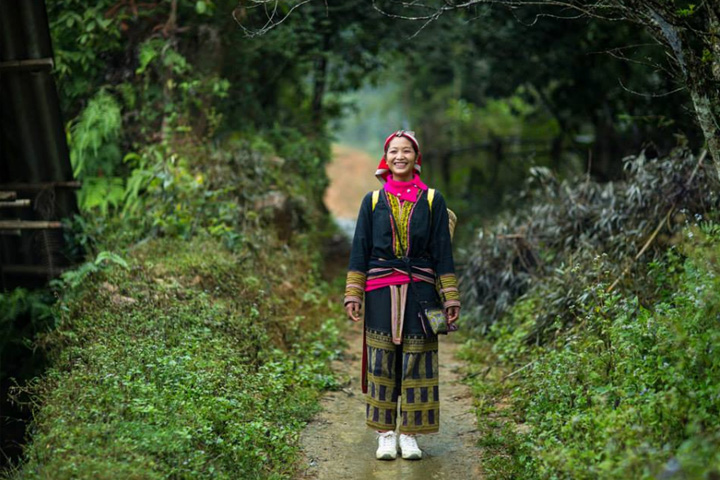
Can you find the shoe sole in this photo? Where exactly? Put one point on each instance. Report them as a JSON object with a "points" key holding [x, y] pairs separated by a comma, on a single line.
{"points": [[386, 456], [412, 456]]}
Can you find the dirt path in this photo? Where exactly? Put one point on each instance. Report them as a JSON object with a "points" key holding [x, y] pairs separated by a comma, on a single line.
{"points": [[337, 445], [352, 175]]}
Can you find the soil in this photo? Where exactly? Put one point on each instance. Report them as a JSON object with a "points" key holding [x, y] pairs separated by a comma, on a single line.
{"points": [[337, 444], [352, 175]]}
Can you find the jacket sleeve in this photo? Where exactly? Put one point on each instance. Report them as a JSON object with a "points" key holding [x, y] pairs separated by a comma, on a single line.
{"points": [[360, 253], [441, 251]]}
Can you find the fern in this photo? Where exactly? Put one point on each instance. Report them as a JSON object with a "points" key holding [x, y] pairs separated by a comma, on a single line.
{"points": [[95, 153], [72, 279], [101, 193], [94, 148]]}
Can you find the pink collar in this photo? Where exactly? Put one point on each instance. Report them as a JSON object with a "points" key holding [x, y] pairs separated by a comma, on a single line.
{"points": [[405, 190]]}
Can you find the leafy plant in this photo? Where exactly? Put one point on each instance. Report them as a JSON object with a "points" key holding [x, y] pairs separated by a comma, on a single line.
{"points": [[23, 313], [95, 154], [189, 367]]}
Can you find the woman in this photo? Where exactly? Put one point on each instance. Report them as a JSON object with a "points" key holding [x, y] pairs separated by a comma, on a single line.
{"points": [[400, 355]]}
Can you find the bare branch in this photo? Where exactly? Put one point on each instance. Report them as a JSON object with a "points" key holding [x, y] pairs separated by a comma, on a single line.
{"points": [[650, 95], [273, 18], [618, 52]]}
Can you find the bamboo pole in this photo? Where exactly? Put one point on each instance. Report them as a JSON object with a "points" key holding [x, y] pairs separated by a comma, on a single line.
{"points": [[27, 65], [31, 270], [15, 203], [73, 184], [29, 225]]}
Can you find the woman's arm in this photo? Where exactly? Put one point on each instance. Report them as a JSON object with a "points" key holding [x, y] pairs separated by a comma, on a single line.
{"points": [[441, 251], [359, 258]]}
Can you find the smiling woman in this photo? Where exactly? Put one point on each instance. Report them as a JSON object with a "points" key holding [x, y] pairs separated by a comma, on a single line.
{"points": [[400, 157], [401, 250]]}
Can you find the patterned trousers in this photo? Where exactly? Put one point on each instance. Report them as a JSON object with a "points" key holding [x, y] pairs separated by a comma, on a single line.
{"points": [[408, 371]]}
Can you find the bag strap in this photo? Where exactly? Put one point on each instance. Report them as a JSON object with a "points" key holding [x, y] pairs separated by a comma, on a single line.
{"points": [[376, 196]]}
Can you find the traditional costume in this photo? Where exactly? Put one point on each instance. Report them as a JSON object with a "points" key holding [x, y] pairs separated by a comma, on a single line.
{"points": [[400, 358]]}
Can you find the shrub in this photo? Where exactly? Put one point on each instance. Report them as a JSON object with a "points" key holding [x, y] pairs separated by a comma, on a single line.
{"points": [[573, 233], [631, 390], [182, 366]]}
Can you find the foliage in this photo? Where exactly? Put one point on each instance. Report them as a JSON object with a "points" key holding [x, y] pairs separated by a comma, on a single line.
{"points": [[23, 313], [239, 192], [183, 365], [95, 153], [179, 349], [573, 233], [631, 391], [293, 75], [92, 45], [489, 52], [94, 137], [676, 30], [83, 40]]}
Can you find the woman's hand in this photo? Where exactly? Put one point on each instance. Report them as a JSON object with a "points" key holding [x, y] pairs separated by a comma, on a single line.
{"points": [[353, 311], [452, 314]]}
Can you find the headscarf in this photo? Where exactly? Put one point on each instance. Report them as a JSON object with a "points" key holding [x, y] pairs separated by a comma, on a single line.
{"points": [[383, 171]]}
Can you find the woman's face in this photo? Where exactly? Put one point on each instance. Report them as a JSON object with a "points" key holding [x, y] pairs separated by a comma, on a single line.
{"points": [[400, 158]]}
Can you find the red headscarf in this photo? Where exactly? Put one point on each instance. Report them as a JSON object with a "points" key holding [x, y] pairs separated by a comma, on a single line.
{"points": [[383, 171]]}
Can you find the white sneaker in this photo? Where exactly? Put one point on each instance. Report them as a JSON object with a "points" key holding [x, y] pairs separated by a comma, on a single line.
{"points": [[387, 446], [409, 447]]}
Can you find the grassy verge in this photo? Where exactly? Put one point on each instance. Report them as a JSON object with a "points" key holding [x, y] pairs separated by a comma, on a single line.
{"points": [[629, 391], [191, 362]]}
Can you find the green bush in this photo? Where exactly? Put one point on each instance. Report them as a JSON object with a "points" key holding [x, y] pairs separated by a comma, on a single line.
{"points": [[631, 391], [182, 365], [573, 233]]}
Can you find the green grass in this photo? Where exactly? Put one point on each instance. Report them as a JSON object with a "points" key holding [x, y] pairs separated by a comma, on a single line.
{"points": [[190, 363]]}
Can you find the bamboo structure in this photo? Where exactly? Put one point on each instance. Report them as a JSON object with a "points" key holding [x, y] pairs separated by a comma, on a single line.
{"points": [[36, 179]]}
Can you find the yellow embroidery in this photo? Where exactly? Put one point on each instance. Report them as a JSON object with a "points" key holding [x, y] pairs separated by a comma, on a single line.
{"points": [[402, 216], [355, 287]]}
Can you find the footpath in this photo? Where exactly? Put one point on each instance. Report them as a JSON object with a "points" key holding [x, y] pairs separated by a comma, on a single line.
{"points": [[337, 445]]}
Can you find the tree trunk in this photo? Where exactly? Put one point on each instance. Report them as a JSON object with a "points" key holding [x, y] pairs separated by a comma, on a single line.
{"points": [[700, 70], [321, 67], [710, 123], [707, 109], [703, 81]]}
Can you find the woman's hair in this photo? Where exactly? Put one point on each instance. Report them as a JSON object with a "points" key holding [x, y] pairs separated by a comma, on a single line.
{"points": [[410, 135]]}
